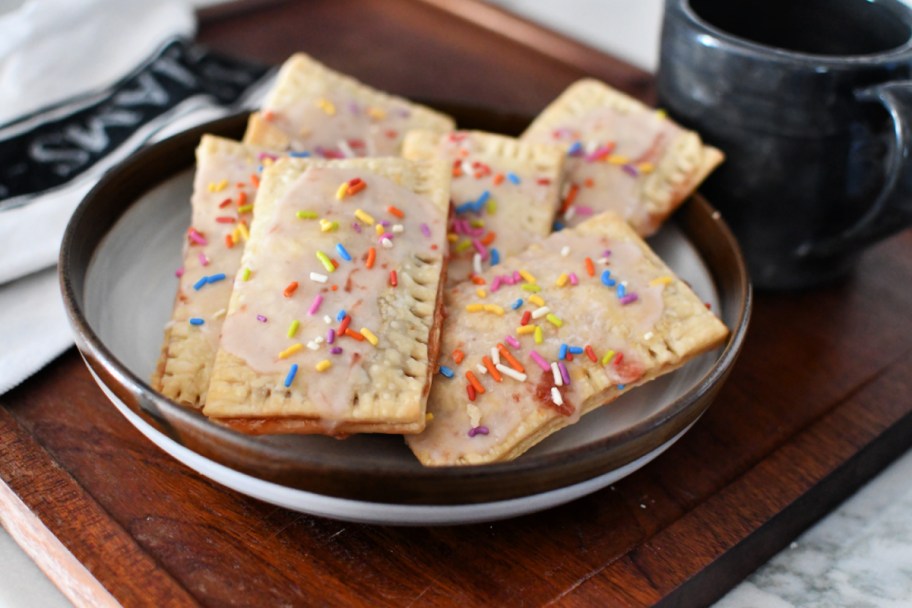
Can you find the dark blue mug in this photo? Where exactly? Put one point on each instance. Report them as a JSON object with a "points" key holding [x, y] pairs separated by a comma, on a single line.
{"points": [[811, 102]]}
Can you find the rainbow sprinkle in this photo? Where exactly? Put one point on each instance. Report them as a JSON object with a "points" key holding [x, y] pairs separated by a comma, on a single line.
{"points": [[315, 305], [289, 378], [364, 217], [556, 396], [290, 350], [293, 328], [540, 312], [327, 263], [565, 375], [327, 106], [343, 252], [370, 336], [213, 278], [342, 191], [540, 361], [555, 373], [510, 372]]}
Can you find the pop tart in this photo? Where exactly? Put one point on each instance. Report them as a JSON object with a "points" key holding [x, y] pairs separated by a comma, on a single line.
{"points": [[334, 320], [563, 328]]}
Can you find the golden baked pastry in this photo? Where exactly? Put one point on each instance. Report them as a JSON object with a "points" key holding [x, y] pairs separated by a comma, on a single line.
{"points": [[561, 329], [504, 192], [334, 319], [224, 189], [316, 111], [622, 156]]}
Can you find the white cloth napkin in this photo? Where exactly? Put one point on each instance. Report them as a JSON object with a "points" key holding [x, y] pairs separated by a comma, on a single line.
{"points": [[82, 86]]}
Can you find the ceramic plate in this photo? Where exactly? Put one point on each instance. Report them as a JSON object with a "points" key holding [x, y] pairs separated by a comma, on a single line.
{"points": [[117, 267]]}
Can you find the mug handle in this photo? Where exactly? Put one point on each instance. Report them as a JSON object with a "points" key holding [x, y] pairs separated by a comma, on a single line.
{"points": [[892, 209]]}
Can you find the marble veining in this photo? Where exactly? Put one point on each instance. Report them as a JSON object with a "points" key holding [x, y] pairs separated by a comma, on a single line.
{"points": [[860, 555]]}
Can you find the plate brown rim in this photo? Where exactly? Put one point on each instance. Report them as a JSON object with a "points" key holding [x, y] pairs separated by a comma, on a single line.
{"points": [[528, 475]]}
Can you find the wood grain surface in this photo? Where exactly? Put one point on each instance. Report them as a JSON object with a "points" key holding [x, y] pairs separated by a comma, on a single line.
{"points": [[817, 403]]}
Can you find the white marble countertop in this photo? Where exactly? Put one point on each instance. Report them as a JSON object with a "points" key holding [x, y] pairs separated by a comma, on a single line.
{"points": [[859, 555]]}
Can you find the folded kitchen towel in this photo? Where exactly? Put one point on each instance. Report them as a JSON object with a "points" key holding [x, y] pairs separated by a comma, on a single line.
{"points": [[82, 86], [35, 328]]}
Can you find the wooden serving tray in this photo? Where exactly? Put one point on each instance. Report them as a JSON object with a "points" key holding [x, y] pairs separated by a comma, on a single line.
{"points": [[817, 403]]}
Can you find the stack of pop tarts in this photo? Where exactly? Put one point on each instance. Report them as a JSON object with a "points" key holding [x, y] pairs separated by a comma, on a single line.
{"points": [[332, 286]]}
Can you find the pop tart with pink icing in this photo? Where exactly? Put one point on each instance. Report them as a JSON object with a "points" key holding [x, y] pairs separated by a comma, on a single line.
{"points": [[334, 319], [315, 111], [559, 330], [224, 191], [504, 193], [622, 156]]}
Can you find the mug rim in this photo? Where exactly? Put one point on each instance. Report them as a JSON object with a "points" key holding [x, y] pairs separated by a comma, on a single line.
{"points": [[732, 42]]}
